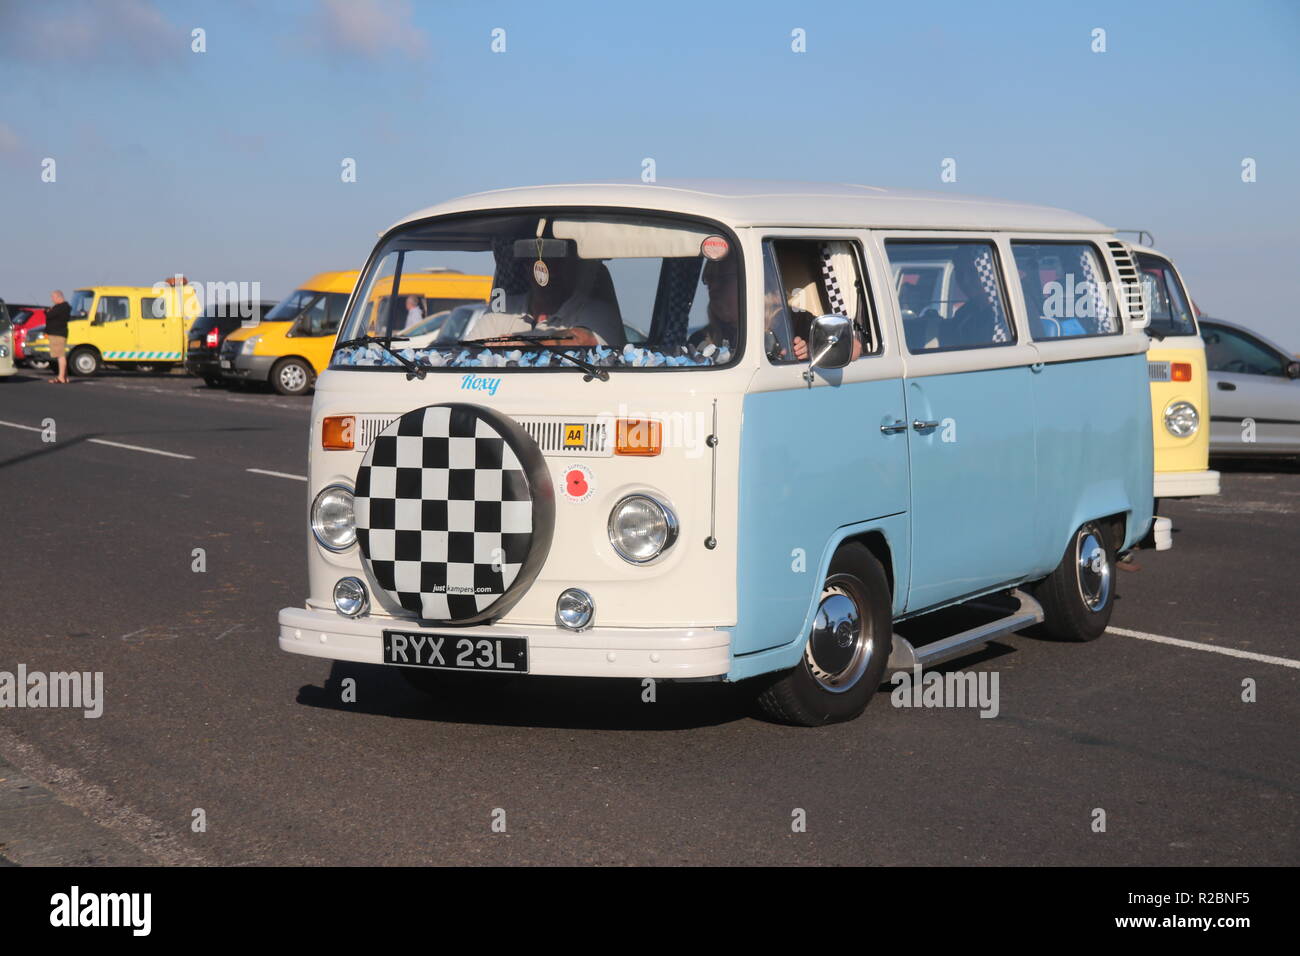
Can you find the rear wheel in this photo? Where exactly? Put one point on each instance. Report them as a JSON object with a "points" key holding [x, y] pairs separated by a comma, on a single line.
{"points": [[291, 376], [1079, 596], [846, 654], [84, 362]]}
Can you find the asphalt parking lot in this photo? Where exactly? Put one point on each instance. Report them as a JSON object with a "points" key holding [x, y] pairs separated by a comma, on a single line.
{"points": [[203, 712]]}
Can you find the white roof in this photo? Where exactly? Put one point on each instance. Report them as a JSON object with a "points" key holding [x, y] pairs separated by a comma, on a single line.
{"points": [[740, 203]]}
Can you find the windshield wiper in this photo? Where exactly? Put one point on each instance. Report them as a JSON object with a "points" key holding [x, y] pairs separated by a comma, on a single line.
{"points": [[593, 371], [385, 342]]}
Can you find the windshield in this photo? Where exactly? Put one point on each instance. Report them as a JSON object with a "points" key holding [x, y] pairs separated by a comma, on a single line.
{"points": [[81, 302], [614, 289], [1171, 311], [326, 303]]}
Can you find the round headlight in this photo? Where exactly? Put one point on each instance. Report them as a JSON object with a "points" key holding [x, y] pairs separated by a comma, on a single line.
{"points": [[641, 528], [574, 609], [1182, 419], [331, 518], [351, 597]]}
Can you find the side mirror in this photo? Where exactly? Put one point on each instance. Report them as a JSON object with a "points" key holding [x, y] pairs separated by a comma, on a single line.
{"points": [[1293, 370], [830, 343]]}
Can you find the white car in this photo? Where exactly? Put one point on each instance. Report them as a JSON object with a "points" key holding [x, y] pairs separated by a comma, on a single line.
{"points": [[1254, 392]]}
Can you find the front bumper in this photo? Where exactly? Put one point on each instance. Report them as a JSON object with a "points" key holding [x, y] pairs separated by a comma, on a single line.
{"points": [[1186, 484], [250, 368], [552, 651]]}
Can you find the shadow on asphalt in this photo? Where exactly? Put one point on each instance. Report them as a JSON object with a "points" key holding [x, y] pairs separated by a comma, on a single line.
{"points": [[1260, 466], [578, 703]]}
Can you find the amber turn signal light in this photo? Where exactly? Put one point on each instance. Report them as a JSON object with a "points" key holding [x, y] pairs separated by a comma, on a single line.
{"points": [[638, 436], [336, 433], [1181, 372]]}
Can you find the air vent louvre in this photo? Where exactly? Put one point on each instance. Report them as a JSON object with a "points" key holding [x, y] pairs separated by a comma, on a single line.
{"points": [[1130, 281]]}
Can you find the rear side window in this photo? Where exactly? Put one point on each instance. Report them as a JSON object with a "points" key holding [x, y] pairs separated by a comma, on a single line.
{"points": [[1067, 295], [153, 308], [949, 295], [113, 308]]}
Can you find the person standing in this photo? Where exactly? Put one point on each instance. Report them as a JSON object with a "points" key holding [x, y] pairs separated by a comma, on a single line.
{"points": [[56, 331]]}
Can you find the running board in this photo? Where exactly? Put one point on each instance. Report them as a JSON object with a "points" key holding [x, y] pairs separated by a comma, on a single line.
{"points": [[904, 656]]}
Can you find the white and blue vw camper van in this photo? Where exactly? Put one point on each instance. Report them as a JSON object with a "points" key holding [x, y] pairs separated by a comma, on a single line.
{"points": [[722, 431]]}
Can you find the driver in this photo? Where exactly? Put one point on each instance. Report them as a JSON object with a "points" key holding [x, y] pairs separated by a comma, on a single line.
{"points": [[576, 303]]}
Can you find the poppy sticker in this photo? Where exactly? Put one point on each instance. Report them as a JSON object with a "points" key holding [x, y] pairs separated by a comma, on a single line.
{"points": [[578, 484]]}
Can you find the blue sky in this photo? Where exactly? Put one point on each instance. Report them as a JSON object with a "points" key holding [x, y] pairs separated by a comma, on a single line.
{"points": [[225, 165]]}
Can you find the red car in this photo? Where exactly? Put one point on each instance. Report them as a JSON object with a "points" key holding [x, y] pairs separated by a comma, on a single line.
{"points": [[25, 318]]}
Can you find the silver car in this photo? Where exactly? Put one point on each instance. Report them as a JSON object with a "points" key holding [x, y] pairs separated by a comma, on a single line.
{"points": [[1254, 392]]}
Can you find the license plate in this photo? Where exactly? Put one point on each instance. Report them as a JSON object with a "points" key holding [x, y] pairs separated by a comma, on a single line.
{"points": [[225, 363], [456, 652]]}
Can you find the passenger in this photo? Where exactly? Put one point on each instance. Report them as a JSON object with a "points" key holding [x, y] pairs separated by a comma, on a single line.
{"points": [[977, 320], [414, 313]]}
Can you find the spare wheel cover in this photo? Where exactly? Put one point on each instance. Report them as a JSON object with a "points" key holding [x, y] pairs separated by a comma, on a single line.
{"points": [[454, 512]]}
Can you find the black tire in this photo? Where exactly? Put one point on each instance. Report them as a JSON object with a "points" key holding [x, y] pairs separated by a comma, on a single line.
{"points": [[213, 381], [1079, 596], [291, 376], [803, 695], [84, 362]]}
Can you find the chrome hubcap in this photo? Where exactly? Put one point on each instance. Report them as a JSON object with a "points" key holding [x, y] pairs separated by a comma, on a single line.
{"points": [[839, 648], [85, 363], [293, 377], [1093, 570]]}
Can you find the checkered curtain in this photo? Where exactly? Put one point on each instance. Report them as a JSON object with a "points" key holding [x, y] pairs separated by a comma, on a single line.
{"points": [[678, 280], [839, 279], [987, 272], [511, 273], [1100, 301]]}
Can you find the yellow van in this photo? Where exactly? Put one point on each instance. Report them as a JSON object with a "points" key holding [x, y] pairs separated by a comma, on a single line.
{"points": [[294, 341], [129, 326], [1180, 389]]}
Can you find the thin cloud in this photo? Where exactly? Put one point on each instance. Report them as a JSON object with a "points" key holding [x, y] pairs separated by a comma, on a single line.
{"points": [[96, 31], [374, 29]]}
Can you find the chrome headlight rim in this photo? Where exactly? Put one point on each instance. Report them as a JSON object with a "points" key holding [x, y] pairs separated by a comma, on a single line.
{"points": [[316, 523], [363, 607], [1179, 407], [581, 596], [672, 528]]}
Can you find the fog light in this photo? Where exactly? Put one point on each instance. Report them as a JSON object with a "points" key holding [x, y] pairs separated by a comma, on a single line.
{"points": [[350, 597], [574, 608]]}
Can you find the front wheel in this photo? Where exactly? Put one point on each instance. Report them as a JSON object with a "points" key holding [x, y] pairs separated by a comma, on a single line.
{"points": [[84, 362], [847, 650], [291, 377], [1079, 596]]}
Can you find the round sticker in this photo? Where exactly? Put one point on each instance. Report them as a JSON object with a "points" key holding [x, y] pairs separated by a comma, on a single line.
{"points": [[578, 484], [715, 248], [541, 274]]}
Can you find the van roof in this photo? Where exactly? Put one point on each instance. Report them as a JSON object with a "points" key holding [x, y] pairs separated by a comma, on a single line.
{"points": [[342, 281], [740, 202], [120, 290]]}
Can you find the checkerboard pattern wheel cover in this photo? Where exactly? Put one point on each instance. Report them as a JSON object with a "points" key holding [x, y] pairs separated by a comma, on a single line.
{"points": [[454, 512]]}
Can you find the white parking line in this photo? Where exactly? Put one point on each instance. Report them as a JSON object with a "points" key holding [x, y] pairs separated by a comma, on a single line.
{"points": [[1196, 646], [276, 474], [105, 441], [151, 451], [26, 428]]}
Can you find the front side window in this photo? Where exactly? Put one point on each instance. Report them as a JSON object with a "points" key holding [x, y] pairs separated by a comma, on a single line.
{"points": [[1066, 291], [81, 302], [807, 278], [112, 308], [321, 305], [618, 289], [949, 295], [1171, 310], [1227, 350]]}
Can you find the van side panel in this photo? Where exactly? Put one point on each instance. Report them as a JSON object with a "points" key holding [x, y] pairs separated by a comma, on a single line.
{"points": [[812, 462], [1094, 450]]}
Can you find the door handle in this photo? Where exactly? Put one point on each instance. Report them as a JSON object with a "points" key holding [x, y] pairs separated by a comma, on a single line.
{"points": [[1227, 387], [896, 427], [920, 425]]}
